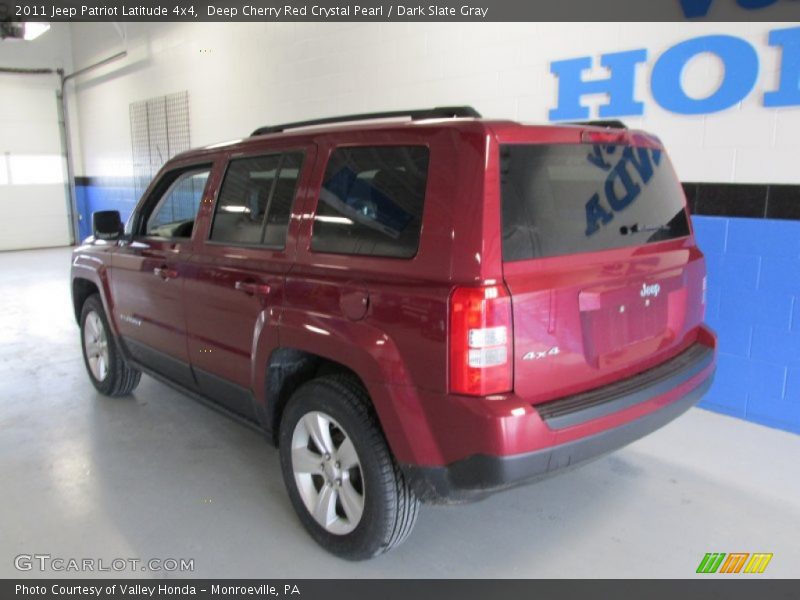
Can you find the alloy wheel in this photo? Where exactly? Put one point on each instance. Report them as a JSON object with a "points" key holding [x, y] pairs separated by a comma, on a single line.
{"points": [[95, 342], [328, 473]]}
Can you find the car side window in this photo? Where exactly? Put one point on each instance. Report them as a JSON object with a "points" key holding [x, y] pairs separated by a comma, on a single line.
{"points": [[176, 211], [255, 201], [371, 201]]}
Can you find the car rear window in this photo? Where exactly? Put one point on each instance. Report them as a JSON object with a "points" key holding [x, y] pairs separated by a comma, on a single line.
{"points": [[371, 201], [567, 199]]}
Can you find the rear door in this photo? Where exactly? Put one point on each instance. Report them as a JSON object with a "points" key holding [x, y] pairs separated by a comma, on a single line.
{"points": [[598, 256], [235, 282]]}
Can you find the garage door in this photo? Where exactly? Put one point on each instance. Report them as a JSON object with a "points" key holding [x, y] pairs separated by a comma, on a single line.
{"points": [[33, 195]]}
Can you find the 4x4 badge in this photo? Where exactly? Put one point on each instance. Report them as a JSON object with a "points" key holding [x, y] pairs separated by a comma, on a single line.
{"points": [[554, 351]]}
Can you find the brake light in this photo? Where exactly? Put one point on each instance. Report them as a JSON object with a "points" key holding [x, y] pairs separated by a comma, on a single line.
{"points": [[605, 138], [481, 355]]}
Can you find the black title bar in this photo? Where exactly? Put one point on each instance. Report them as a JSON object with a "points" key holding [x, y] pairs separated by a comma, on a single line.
{"points": [[372, 11]]}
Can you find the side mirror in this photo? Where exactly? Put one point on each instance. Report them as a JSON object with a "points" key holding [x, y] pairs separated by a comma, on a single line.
{"points": [[106, 225]]}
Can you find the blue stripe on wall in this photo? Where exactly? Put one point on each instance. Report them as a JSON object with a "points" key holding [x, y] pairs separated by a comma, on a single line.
{"points": [[91, 197], [754, 305]]}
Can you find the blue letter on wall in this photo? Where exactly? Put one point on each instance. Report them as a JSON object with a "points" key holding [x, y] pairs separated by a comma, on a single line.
{"points": [[788, 94], [741, 71], [619, 86]]}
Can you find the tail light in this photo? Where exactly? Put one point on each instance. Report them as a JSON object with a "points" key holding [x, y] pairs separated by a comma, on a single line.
{"points": [[481, 354]]}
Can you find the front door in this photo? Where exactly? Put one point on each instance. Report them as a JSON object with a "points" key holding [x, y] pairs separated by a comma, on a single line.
{"points": [[148, 271]]}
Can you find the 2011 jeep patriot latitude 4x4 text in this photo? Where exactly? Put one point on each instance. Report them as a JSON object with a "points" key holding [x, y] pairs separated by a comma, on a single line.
{"points": [[422, 310]]}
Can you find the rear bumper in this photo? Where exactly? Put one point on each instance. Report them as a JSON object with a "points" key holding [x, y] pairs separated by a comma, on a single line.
{"points": [[667, 391]]}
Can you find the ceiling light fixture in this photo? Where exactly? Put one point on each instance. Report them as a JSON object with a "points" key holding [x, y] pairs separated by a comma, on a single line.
{"points": [[34, 30]]}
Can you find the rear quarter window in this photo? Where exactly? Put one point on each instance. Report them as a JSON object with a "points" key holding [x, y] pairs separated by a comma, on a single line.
{"points": [[371, 201]]}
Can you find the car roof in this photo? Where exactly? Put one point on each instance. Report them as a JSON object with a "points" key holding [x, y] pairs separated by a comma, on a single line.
{"points": [[507, 130]]}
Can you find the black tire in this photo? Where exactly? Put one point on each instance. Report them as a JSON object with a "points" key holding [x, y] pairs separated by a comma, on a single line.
{"points": [[120, 379], [389, 505]]}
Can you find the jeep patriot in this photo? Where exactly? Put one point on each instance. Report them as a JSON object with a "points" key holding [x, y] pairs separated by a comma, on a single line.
{"points": [[418, 306]]}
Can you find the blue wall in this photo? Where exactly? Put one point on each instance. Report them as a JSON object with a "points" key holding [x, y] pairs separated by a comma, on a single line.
{"points": [[754, 305]]}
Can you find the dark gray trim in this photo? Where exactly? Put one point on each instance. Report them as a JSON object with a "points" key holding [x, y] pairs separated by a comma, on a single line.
{"points": [[480, 475], [439, 112], [144, 358], [232, 396], [606, 400], [783, 202], [115, 182], [205, 401], [750, 200], [155, 360]]}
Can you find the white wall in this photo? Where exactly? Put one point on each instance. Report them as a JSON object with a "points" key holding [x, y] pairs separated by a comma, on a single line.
{"points": [[240, 76], [32, 168]]}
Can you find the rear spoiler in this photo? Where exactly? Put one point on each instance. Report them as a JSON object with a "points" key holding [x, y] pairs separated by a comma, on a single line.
{"points": [[607, 123]]}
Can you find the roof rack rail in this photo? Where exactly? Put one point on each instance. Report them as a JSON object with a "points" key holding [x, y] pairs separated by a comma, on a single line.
{"points": [[610, 123], [440, 112]]}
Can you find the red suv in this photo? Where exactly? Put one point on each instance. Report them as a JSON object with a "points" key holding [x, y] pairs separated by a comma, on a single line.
{"points": [[429, 309]]}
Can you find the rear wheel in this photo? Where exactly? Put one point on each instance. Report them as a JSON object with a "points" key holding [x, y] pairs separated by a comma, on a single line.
{"points": [[342, 479], [107, 368]]}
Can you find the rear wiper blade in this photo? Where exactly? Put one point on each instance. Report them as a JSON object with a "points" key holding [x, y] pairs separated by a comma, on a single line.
{"points": [[635, 228]]}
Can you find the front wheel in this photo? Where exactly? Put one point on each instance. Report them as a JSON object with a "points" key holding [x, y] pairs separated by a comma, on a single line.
{"points": [[342, 479], [106, 366]]}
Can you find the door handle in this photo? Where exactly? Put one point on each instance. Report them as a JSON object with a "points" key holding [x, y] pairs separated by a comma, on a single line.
{"points": [[251, 288], [165, 273]]}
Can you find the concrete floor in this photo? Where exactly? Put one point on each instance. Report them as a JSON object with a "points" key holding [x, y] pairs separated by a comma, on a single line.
{"points": [[158, 475]]}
